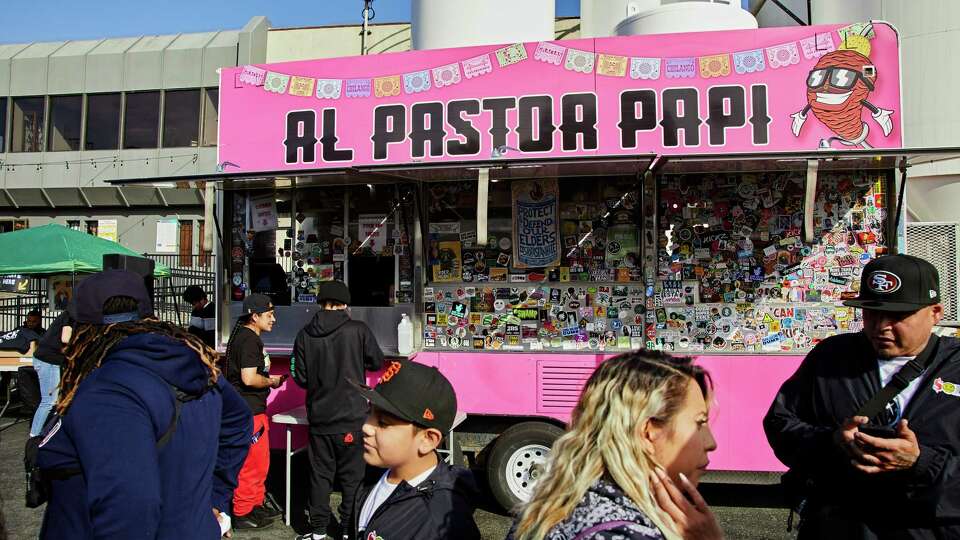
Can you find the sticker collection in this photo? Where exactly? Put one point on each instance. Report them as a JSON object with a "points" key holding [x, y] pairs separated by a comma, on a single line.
{"points": [[729, 270]]}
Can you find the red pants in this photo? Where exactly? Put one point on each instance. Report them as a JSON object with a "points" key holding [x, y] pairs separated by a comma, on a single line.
{"points": [[250, 482]]}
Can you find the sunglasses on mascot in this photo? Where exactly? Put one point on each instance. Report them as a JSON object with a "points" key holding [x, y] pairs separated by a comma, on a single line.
{"points": [[837, 77]]}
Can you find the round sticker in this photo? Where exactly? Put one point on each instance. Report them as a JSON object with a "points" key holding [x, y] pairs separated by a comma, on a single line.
{"points": [[455, 342], [499, 305], [504, 243]]}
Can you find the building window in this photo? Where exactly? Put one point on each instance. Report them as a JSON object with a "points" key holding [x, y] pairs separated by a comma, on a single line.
{"points": [[93, 227], [181, 118], [103, 122], [73, 224], [64, 130], [3, 125], [27, 129], [141, 128], [211, 108]]}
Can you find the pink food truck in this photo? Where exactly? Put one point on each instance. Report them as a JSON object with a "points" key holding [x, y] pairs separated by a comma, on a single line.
{"points": [[536, 208]]}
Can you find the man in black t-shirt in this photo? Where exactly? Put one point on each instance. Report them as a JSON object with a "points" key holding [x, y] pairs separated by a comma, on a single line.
{"points": [[203, 318], [248, 370]]}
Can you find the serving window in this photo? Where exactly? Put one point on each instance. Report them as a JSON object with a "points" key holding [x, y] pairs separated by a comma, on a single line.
{"points": [[734, 272], [560, 267]]}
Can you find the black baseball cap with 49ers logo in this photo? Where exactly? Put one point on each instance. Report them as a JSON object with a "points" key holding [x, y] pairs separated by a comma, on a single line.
{"points": [[414, 392], [897, 283]]}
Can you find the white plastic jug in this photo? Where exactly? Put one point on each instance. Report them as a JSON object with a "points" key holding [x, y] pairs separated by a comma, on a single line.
{"points": [[404, 336]]}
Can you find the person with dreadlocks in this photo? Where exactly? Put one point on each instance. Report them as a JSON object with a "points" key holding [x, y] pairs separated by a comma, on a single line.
{"points": [[148, 438], [248, 369]]}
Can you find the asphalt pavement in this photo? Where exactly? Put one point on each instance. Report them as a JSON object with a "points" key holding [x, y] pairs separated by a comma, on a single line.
{"points": [[745, 512]]}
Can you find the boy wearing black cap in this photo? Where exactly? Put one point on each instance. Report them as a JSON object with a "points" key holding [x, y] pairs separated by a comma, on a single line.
{"points": [[418, 497], [248, 369], [869, 420], [327, 352]]}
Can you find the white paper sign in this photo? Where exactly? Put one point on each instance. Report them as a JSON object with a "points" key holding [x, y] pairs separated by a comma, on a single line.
{"points": [[107, 229], [264, 212], [167, 236], [373, 232]]}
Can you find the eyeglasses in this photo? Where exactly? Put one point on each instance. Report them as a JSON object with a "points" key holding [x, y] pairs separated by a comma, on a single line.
{"points": [[837, 77]]}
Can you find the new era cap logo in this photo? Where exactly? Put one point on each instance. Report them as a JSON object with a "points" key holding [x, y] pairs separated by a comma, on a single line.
{"points": [[883, 282], [427, 414]]}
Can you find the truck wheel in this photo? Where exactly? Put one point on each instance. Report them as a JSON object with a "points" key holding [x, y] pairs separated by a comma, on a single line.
{"points": [[517, 460]]}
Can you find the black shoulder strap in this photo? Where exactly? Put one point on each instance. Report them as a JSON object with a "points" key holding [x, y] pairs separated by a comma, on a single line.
{"points": [[179, 398], [901, 379]]}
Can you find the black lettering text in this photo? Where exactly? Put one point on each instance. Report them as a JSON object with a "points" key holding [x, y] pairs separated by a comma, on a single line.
{"points": [[329, 140], [498, 108], [385, 132], [420, 133], [586, 125], [680, 111], [470, 145], [759, 119], [301, 137], [630, 121], [717, 119], [541, 138]]}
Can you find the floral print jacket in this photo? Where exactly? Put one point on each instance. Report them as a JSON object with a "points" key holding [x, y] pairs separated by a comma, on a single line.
{"points": [[604, 503]]}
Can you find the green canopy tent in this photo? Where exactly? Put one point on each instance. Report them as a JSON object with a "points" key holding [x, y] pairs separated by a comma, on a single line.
{"points": [[55, 249]]}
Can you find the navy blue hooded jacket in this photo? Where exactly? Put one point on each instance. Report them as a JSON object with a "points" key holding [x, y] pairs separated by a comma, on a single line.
{"points": [[128, 488]]}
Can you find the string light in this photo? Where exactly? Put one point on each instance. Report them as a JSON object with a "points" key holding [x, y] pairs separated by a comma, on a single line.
{"points": [[94, 162]]}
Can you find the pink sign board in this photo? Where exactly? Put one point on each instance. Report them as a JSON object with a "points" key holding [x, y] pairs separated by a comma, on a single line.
{"points": [[767, 90]]}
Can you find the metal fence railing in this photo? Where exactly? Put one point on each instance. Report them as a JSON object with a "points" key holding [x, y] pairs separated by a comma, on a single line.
{"points": [[203, 261], [167, 292], [15, 306], [168, 304]]}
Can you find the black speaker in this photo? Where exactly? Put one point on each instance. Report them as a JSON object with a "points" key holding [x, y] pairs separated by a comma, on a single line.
{"points": [[138, 265]]}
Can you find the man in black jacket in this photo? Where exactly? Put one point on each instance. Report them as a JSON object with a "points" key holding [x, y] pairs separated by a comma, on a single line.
{"points": [[897, 474], [327, 352]]}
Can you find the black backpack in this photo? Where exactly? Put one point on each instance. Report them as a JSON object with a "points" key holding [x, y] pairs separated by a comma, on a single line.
{"points": [[38, 480]]}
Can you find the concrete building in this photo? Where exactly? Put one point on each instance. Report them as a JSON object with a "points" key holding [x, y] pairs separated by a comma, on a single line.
{"points": [[76, 114]]}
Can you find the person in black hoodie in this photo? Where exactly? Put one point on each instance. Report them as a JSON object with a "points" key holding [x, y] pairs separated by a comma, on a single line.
{"points": [[330, 349], [418, 496]]}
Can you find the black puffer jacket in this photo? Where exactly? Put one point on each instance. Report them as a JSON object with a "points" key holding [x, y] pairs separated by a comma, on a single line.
{"points": [[834, 380], [604, 513], [327, 352], [441, 508]]}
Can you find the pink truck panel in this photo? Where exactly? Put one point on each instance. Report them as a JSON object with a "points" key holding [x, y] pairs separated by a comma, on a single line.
{"points": [[548, 385]]}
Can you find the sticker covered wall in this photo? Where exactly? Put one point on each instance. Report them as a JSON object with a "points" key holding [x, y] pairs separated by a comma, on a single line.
{"points": [[766, 90]]}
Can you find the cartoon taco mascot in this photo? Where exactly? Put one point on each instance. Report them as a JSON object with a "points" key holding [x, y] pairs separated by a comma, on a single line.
{"points": [[837, 90]]}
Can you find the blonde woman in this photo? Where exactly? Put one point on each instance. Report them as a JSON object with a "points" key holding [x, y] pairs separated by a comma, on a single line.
{"points": [[629, 464]]}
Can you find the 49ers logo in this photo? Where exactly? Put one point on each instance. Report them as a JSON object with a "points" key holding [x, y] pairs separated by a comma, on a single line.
{"points": [[883, 282], [391, 371]]}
